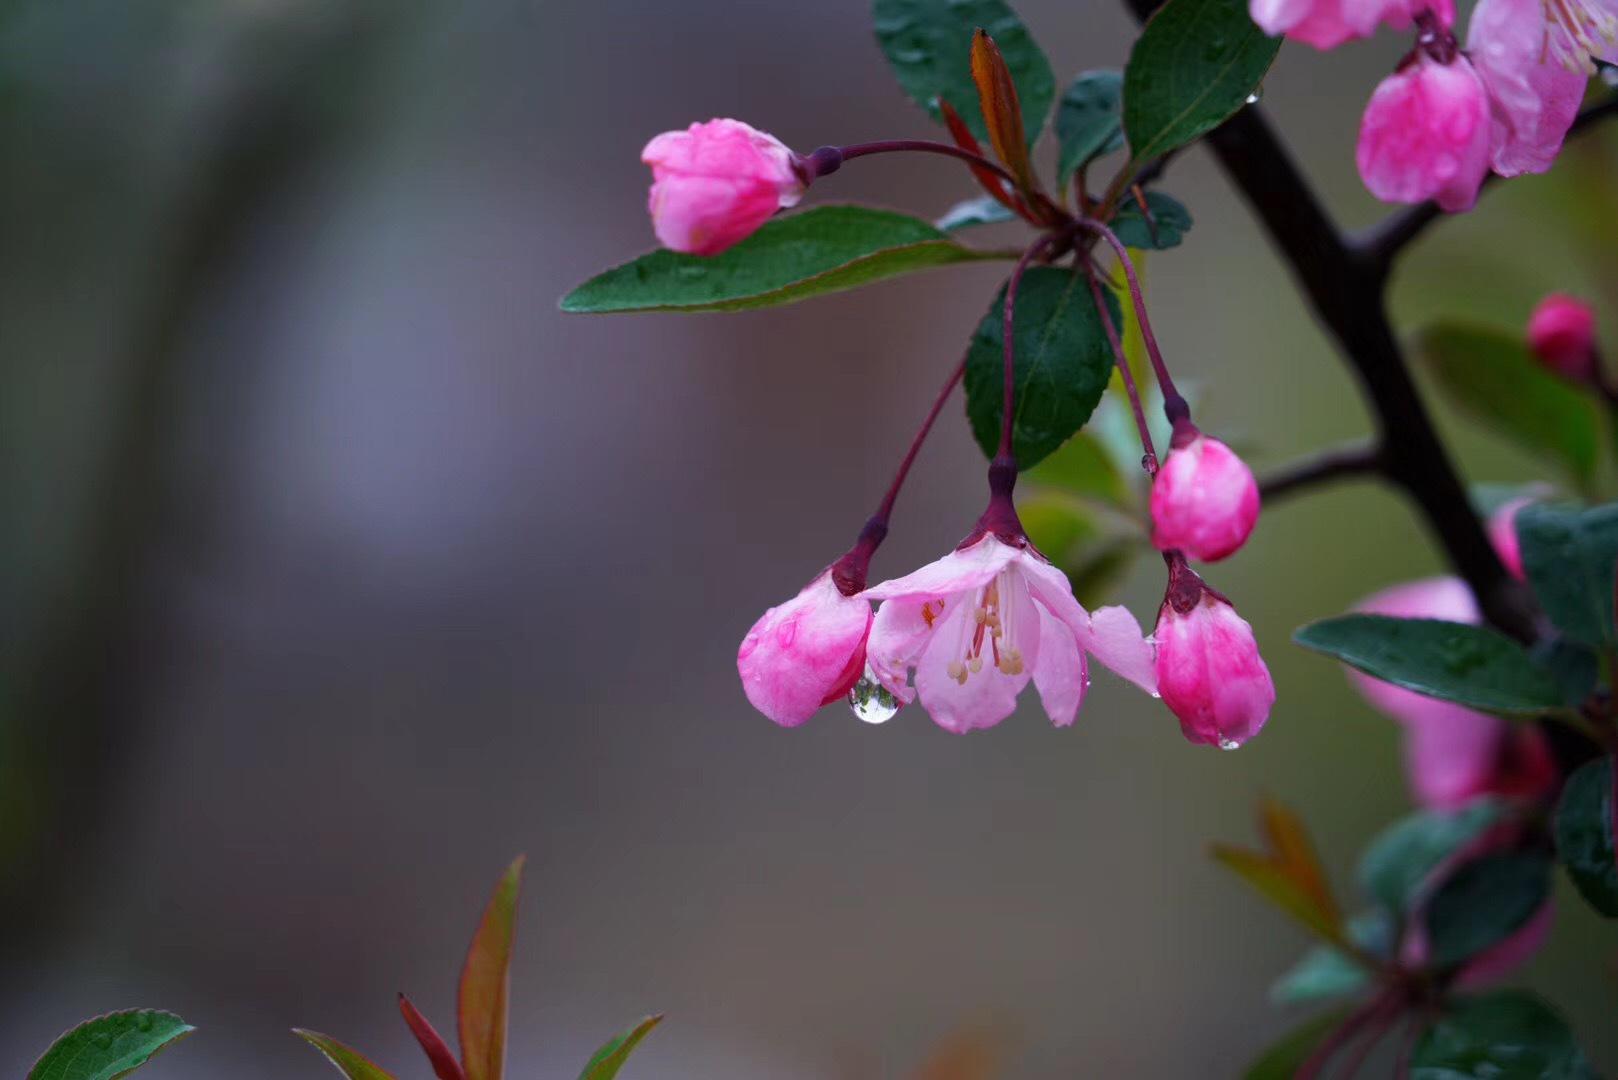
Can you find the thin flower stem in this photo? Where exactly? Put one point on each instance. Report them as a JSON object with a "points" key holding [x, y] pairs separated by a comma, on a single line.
{"points": [[1052, 212], [1008, 326], [1149, 460], [1334, 1043], [886, 508], [1174, 406]]}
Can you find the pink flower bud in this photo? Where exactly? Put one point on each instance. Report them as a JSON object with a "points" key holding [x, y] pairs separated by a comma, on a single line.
{"points": [[714, 184], [805, 653], [1326, 24], [1204, 500], [1562, 334], [1209, 672], [1503, 535], [1425, 135]]}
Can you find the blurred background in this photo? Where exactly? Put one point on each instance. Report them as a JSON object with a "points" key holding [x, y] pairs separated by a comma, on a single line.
{"points": [[338, 567]]}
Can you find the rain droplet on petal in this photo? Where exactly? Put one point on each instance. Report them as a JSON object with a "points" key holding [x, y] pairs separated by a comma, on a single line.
{"points": [[1228, 744], [871, 701]]}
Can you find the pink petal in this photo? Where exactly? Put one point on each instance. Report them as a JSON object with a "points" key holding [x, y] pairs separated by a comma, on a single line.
{"points": [[1425, 135], [1062, 675], [800, 652], [898, 636], [959, 571], [1532, 98], [1116, 640], [985, 698]]}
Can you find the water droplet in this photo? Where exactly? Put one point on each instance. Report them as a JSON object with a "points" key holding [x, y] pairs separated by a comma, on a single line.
{"points": [[1228, 744], [1256, 96], [1609, 74], [871, 701]]}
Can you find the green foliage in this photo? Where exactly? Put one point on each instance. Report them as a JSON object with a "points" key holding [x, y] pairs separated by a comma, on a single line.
{"points": [[1584, 840], [1170, 222], [1089, 121], [110, 1046], [1284, 1057], [1326, 971], [606, 1062], [928, 43], [1084, 467], [1469, 665], [1490, 374], [349, 1061], [1062, 365], [983, 210], [1405, 854], [1507, 1035], [1483, 903], [485, 981], [822, 250], [1195, 63], [1571, 558]]}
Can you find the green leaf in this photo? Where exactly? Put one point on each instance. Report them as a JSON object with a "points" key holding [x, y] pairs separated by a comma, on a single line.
{"points": [[1571, 558], [929, 45], [349, 1061], [110, 1046], [1089, 121], [1484, 902], [1506, 1035], [1490, 374], [1195, 63], [616, 1050], [1584, 841], [983, 210], [1061, 369], [1284, 1058], [1396, 863], [1469, 665], [1170, 222], [1326, 971], [486, 981], [822, 250], [1574, 667], [1084, 467]]}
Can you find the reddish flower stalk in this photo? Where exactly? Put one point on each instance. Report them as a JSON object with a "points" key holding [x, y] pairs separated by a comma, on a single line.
{"points": [[828, 159], [1149, 460]]}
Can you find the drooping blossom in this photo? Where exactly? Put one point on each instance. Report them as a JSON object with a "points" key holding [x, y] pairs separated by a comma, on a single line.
{"points": [[1533, 95], [1426, 134], [1502, 527], [1204, 500], [806, 652], [714, 184], [1562, 336], [1326, 24], [1209, 671], [977, 625], [1453, 754]]}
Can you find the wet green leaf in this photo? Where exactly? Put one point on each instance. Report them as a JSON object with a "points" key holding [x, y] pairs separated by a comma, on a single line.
{"points": [[1584, 841], [1507, 1035], [1571, 558], [606, 1062], [110, 1046], [1484, 902], [1326, 971], [1170, 222], [1089, 121], [983, 210], [349, 1061], [1403, 855]]}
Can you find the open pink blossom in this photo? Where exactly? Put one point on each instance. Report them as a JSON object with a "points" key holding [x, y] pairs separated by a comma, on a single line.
{"points": [[1453, 754], [1533, 97], [804, 653], [1425, 134], [1562, 336], [1326, 24], [1204, 500], [1208, 667], [981, 622], [714, 184]]}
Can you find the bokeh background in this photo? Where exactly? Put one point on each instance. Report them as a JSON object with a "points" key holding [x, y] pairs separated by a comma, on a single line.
{"points": [[339, 567]]}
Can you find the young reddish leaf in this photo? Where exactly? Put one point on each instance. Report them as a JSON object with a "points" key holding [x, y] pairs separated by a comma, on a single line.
{"points": [[964, 138], [1288, 874], [606, 1062], [445, 1067], [1002, 113], [486, 979], [349, 1061]]}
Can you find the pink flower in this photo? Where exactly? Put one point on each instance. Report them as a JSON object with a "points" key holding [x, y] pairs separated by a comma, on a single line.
{"points": [[1204, 500], [981, 622], [804, 653], [1562, 334], [1503, 535], [1326, 24], [1426, 134], [714, 184], [1209, 671], [1533, 97], [1453, 754]]}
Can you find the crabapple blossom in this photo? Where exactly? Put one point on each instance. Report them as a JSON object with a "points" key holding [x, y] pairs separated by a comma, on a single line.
{"points": [[977, 625], [1209, 671], [714, 184], [1204, 500], [806, 652], [1326, 24], [1453, 754], [1562, 335], [1533, 98], [1426, 134]]}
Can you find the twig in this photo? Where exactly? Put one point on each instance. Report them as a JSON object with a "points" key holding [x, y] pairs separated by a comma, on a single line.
{"points": [[1340, 463]]}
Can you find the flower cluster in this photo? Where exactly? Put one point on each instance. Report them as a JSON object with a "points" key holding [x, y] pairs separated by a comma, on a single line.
{"points": [[1449, 116]]}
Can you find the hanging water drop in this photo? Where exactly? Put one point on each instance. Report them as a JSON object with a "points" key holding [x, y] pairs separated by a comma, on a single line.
{"points": [[871, 701], [1609, 74], [1228, 744], [1256, 96]]}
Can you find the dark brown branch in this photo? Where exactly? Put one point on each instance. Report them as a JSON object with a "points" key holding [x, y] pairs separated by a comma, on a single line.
{"points": [[1383, 242], [1341, 463], [1345, 289]]}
